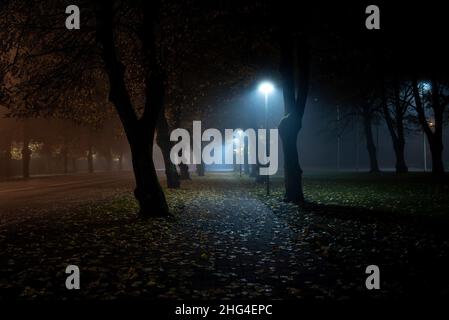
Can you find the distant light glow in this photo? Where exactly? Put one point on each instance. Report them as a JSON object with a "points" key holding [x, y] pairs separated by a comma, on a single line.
{"points": [[426, 86], [266, 87]]}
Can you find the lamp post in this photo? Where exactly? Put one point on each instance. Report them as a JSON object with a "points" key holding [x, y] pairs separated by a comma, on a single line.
{"points": [[266, 88]]}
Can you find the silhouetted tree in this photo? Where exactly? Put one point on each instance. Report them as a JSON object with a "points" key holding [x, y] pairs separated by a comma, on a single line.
{"points": [[139, 131], [294, 70], [432, 97], [395, 104]]}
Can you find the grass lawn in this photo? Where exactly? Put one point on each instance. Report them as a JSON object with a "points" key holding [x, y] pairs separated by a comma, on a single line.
{"points": [[413, 193]]}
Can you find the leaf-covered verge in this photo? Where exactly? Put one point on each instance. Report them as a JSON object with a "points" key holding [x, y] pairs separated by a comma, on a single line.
{"points": [[227, 241]]}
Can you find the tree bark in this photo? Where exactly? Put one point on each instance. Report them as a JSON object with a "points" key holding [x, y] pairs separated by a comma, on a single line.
{"points": [[163, 140], [370, 146]]}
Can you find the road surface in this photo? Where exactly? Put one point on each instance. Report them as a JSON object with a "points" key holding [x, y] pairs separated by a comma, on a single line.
{"points": [[60, 190]]}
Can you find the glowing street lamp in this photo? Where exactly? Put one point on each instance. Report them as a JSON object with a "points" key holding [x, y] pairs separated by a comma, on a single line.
{"points": [[426, 86], [266, 88]]}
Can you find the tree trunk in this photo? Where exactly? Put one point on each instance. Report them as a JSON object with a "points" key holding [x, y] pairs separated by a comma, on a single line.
{"points": [[120, 162], [108, 159], [6, 157], [245, 157], [139, 132], [399, 151], [26, 154], [90, 160], [184, 170], [148, 192], [47, 156], [436, 146], [65, 160], [65, 153], [259, 178], [254, 170], [436, 149], [74, 165], [201, 169], [90, 152], [288, 131], [370, 146], [399, 147], [397, 136], [163, 140], [8, 160], [401, 166], [294, 69], [246, 169]]}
